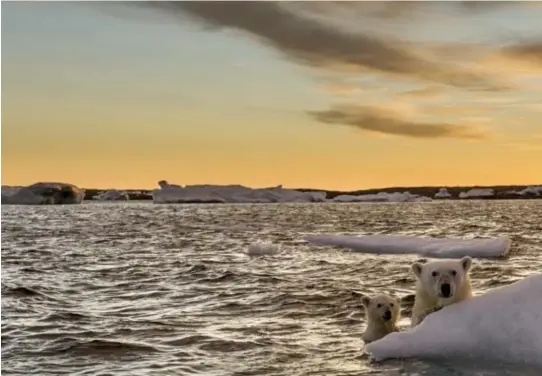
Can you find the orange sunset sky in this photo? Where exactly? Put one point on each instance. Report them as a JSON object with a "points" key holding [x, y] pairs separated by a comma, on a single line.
{"points": [[336, 95]]}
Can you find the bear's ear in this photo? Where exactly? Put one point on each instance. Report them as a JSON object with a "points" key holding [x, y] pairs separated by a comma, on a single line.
{"points": [[417, 268], [466, 263], [366, 301]]}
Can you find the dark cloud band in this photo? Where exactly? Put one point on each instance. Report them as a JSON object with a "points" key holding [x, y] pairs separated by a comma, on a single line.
{"points": [[375, 120]]}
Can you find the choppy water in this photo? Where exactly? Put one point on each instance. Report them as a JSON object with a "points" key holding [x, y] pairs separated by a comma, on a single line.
{"points": [[142, 289]]}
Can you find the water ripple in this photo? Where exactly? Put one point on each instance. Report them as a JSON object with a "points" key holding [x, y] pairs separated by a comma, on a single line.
{"points": [[134, 288]]}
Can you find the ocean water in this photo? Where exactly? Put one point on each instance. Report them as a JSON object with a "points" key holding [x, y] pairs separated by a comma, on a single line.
{"points": [[143, 289]]}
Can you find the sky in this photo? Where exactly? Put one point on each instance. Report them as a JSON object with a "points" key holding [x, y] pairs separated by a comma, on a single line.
{"points": [[331, 95]]}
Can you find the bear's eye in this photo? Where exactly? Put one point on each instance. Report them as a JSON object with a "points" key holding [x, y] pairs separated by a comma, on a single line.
{"points": [[434, 274], [378, 305], [454, 273], [391, 305]]}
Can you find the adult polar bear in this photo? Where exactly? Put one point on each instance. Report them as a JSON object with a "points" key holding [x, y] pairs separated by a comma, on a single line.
{"points": [[439, 284]]}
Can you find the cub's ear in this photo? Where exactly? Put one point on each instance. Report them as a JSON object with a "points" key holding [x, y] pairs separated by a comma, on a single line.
{"points": [[366, 301], [466, 263], [417, 268]]}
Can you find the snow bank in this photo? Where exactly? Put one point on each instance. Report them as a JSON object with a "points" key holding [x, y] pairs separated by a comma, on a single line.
{"points": [[230, 194], [476, 192], [427, 247], [382, 197], [43, 194], [112, 195], [505, 324], [262, 249], [443, 193]]}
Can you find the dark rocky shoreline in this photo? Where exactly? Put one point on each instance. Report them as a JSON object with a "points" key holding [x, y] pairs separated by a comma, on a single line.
{"points": [[133, 194], [502, 192]]}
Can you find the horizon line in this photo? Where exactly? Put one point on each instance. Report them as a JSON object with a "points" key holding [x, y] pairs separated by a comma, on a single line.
{"points": [[308, 189]]}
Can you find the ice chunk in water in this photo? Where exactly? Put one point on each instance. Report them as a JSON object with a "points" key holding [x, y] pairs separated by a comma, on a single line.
{"points": [[423, 246]]}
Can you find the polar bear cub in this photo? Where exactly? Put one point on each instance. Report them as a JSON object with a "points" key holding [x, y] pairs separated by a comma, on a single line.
{"points": [[440, 283], [382, 313]]}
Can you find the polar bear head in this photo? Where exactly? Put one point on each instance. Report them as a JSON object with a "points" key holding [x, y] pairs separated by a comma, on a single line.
{"points": [[383, 308], [443, 279]]}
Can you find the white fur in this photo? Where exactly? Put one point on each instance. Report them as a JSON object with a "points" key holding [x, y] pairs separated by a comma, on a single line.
{"points": [[377, 326], [431, 276]]}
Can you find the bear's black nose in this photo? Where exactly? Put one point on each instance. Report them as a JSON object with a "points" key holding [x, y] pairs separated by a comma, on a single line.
{"points": [[387, 315], [446, 290]]}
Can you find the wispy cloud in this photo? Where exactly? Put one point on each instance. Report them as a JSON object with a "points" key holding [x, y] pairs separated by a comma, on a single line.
{"points": [[424, 92], [382, 121], [314, 35], [316, 43], [531, 51]]}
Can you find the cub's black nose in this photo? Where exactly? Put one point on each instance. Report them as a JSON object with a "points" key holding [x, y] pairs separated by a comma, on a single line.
{"points": [[446, 290], [387, 315]]}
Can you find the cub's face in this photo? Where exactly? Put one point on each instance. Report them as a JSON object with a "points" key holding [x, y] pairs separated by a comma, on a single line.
{"points": [[382, 308], [442, 278]]}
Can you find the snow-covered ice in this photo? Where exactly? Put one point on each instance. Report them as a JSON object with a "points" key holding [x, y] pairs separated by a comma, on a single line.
{"points": [[8, 190], [382, 197], [45, 193], [533, 190], [423, 246], [170, 193], [478, 192], [443, 193]]}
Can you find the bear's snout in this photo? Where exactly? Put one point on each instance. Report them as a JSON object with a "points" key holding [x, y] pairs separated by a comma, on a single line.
{"points": [[387, 315], [446, 290]]}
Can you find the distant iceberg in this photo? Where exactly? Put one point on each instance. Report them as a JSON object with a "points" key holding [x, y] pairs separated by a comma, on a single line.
{"points": [[172, 193], [43, 194], [382, 197], [9, 190], [531, 191], [423, 246], [478, 192], [422, 199], [502, 325], [443, 193]]}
